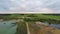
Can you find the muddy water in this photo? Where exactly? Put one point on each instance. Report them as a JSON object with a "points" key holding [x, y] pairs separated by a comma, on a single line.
{"points": [[8, 27]]}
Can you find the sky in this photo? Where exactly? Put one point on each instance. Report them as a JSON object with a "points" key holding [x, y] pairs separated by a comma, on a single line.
{"points": [[30, 5]]}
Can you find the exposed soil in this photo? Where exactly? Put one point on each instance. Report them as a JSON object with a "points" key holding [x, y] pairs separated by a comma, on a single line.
{"points": [[43, 29]]}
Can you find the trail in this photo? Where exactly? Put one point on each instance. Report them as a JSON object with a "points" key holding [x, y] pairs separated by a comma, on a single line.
{"points": [[28, 31]]}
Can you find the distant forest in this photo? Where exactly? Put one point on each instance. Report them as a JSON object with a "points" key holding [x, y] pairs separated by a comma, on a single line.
{"points": [[43, 14], [52, 14]]}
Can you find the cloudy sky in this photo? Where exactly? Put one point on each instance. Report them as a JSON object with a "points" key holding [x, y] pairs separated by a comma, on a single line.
{"points": [[30, 5]]}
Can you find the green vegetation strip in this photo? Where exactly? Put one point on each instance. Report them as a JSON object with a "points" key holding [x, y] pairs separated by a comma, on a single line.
{"points": [[22, 29]]}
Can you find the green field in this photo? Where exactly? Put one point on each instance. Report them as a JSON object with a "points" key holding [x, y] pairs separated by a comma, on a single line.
{"points": [[34, 17]]}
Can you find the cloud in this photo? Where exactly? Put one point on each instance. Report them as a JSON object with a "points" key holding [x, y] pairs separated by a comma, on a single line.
{"points": [[30, 5], [46, 10]]}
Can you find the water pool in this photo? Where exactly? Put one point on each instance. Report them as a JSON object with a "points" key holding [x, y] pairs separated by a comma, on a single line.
{"points": [[8, 27]]}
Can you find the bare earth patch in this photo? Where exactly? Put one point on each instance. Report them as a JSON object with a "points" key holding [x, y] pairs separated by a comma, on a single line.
{"points": [[43, 29]]}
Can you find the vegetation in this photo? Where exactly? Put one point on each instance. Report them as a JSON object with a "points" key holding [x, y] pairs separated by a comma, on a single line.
{"points": [[31, 19], [34, 17], [22, 29], [44, 18]]}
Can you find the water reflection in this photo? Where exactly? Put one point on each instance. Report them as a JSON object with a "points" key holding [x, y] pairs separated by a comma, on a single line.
{"points": [[8, 27], [53, 25]]}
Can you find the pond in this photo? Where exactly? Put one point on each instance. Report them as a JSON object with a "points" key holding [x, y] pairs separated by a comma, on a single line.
{"points": [[53, 25], [8, 27]]}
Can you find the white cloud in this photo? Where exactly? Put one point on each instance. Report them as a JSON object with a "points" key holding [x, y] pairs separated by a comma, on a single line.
{"points": [[12, 0], [30, 5], [46, 10]]}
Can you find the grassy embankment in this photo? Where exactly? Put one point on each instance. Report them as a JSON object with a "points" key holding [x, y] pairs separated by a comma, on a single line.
{"points": [[22, 29]]}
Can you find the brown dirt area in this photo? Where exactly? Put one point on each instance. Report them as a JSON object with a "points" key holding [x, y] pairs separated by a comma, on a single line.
{"points": [[43, 29]]}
